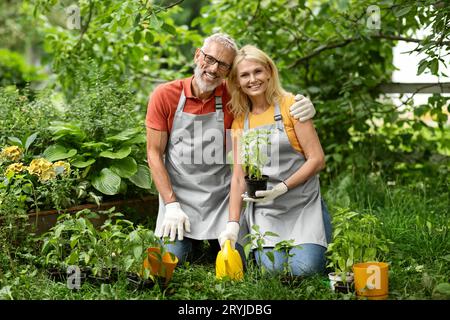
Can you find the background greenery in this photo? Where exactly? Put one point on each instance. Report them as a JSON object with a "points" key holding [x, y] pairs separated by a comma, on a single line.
{"points": [[382, 159]]}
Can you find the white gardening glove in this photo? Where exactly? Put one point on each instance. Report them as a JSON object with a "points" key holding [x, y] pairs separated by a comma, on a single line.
{"points": [[268, 195], [175, 220], [303, 109], [230, 233]]}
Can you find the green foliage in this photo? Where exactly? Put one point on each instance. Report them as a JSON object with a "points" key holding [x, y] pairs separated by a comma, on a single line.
{"points": [[105, 162], [117, 244], [37, 185], [356, 238], [15, 71], [22, 117], [128, 40], [329, 51], [253, 152]]}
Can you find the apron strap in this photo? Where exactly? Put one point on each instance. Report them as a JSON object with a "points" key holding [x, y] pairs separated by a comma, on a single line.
{"points": [[278, 118], [219, 108], [181, 102]]}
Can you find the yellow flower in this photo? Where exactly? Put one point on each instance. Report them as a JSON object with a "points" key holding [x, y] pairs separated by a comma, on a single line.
{"points": [[61, 167], [11, 153], [15, 167], [42, 168]]}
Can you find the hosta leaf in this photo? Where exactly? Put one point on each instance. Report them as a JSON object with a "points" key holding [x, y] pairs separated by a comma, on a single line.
{"points": [[119, 154], [30, 140], [107, 182], [82, 163], [124, 135], [137, 251], [125, 167], [58, 152], [61, 129], [142, 178]]}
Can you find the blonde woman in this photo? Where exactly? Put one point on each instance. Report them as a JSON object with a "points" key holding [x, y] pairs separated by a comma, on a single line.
{"points": [[292, 206]]}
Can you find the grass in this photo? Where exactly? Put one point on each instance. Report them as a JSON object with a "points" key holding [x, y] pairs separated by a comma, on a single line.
{"points": [[415, 217]]}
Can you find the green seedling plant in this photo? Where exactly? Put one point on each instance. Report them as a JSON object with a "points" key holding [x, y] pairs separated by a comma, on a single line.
{"points": [[253, 145], [257, 239], [285, 247], [357, 238], [116, 245]]}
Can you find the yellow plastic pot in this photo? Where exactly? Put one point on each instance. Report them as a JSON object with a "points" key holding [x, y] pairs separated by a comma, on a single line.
{"points": [[371, 280], [229, 263], [158, 265]]}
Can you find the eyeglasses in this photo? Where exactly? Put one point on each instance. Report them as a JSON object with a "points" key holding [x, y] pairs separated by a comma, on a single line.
{"points": [[212, 61]]}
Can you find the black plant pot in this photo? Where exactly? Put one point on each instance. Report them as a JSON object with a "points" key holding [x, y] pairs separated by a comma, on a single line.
{"points": [[139, 283], [256, 185], [105, 276], [60, 275]]}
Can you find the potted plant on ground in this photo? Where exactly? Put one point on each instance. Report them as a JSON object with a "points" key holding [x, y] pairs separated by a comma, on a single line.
{"points": [[357, 238], [253, 156]]}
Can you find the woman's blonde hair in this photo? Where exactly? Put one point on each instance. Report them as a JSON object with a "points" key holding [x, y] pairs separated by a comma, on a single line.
{"points": [[240, 103]]}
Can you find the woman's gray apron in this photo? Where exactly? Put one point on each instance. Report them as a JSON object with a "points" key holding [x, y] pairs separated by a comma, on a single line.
{"points": [[297, 214], [200, 177]]}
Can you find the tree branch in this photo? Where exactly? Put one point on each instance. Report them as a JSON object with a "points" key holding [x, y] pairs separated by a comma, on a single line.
{"points": [[170, 6], [86, 26], [345, 42]]}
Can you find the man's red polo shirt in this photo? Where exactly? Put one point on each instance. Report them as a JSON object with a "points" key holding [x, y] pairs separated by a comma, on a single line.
{"points": [[163, 104]]}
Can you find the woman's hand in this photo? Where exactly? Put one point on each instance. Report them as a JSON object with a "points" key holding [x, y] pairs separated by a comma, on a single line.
{"points": [[267, 195]]}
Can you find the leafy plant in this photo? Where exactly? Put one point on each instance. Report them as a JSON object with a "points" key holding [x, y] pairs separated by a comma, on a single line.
{"points": [[39, 184], [253, 151], [285, 247], [15, 71], [21, 117], [357, 237], [116, 245], [105, 163]]}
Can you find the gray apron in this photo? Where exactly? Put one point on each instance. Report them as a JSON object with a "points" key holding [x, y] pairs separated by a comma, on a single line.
{"points": [[297, 214], [200, 176]]}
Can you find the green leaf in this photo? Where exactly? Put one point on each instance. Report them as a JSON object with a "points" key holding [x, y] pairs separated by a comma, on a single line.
{"points": [[58, 152], [137, 19], [125, 167], [73, 258], [142, 178], [124, 135], [119, 154], [170, 29], [149, 38], [107, 182], [137, 36], [434, 66], [154, 22], [61, 129], [81, 163], [15, 141], [137, 251], [30, 140], [399, 12]]}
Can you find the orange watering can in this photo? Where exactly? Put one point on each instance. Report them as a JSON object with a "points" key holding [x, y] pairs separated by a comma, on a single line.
{"points": [[229, 263]]}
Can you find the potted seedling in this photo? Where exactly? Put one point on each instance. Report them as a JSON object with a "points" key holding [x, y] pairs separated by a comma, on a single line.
{"points": [[357, 240], [253, 151]]}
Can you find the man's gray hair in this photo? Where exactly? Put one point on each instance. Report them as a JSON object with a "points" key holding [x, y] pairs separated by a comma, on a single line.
{"points": [[223, 39]]}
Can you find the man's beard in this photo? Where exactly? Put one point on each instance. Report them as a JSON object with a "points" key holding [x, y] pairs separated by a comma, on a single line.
{"points": [[202, 85]]}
